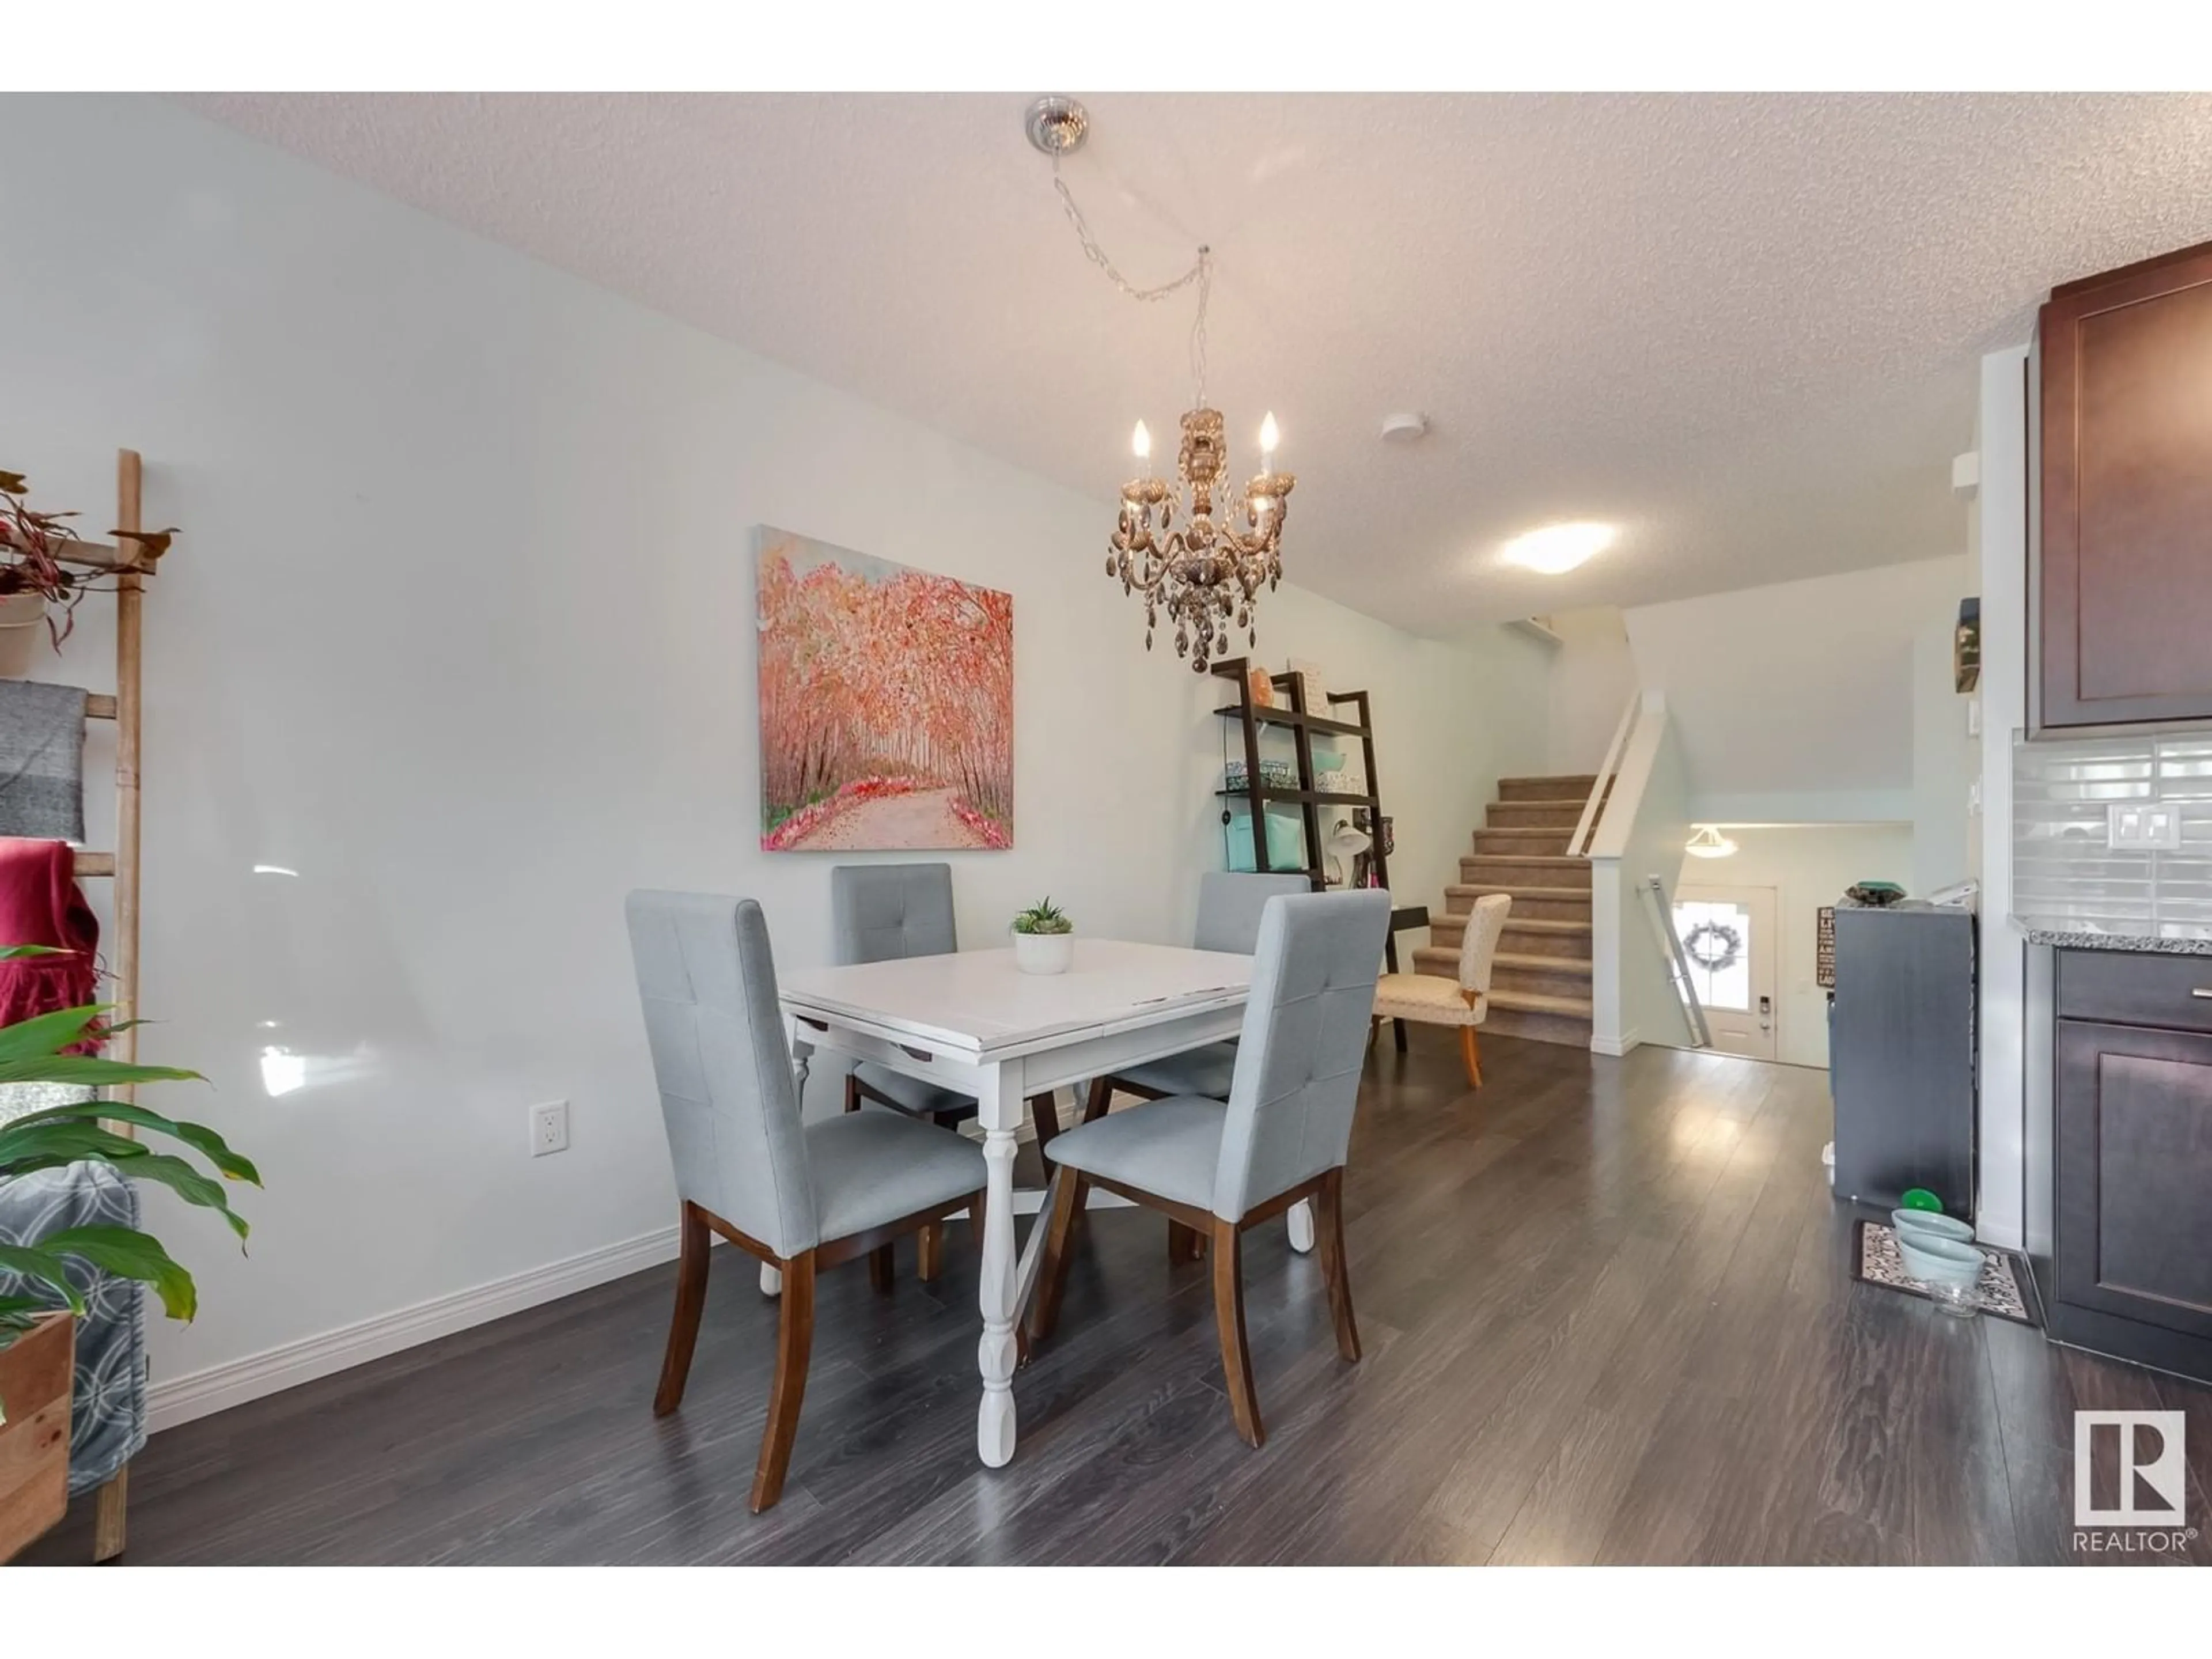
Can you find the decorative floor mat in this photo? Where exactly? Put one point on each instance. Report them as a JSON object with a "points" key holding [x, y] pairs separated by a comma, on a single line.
{"points": [[2004, 1290]]}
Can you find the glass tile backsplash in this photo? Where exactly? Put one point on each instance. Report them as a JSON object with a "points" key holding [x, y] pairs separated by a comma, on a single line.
{"points": [[2065, 876]]}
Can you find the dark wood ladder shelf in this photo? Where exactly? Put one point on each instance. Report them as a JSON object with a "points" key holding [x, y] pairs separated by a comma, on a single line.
{"points": [[1303, 723]]}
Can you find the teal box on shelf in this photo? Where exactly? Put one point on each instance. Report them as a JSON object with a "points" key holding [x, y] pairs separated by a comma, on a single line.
{"points": [[1286, 839]]}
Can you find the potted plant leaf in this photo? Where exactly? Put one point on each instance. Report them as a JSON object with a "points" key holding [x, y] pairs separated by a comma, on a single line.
{"points": [[1044, 939], [35, 588], [37, 1334]]}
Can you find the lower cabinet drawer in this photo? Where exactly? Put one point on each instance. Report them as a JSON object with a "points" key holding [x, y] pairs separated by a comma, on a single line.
{"points": [[2132, 987]]}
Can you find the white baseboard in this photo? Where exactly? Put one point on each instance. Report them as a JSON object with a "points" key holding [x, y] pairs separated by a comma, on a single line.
{"points": [[182, 1399], [1616, 1046]]}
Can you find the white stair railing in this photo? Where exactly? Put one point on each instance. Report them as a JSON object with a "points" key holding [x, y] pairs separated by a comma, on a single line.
{"points": [[1661, 909], [1579, 844]]}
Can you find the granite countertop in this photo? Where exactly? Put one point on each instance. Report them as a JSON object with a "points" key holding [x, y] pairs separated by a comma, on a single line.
{"points": [[2072, 941]]}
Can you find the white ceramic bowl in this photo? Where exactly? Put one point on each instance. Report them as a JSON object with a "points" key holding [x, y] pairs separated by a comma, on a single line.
{"points": [[1930, 1223], [1939, 1260]]}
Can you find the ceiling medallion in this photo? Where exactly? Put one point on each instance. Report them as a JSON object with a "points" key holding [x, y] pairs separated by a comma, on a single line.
{"points": [[1193, 549]]}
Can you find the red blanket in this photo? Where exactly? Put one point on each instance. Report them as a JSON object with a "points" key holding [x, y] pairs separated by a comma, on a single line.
{"points": [[40, 903]]}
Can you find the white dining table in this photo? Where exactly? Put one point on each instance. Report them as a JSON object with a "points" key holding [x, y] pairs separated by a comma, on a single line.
{"points": [[974, 1022]]}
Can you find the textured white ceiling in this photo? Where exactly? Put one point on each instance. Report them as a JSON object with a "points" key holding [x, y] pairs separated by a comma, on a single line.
{"points": [[1741, 325]]}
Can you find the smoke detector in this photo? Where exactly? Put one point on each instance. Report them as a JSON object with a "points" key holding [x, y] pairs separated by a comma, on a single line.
{"points": [[1405, 427]]}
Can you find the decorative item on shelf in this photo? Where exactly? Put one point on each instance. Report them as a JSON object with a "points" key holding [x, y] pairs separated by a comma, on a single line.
{"points": [[35, 586], [1044, 939], [1206, 572], [1708, 843], [1824, 947], [42, 1274], [1874, 894], [1313, 684], [1274, 775], [1345, 847], [1366, 870], [1263, 688], [886, 704], [1966, 647]]}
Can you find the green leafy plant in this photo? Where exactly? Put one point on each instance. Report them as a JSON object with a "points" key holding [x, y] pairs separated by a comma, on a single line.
{"points": [[1045, 918], [38, 1050]]}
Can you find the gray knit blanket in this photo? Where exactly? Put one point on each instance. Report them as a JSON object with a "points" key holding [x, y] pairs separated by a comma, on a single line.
{"points": [[41, 761]]}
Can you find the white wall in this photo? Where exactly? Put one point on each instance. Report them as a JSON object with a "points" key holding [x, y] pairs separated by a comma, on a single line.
{"points": [[460, 629], [2001, 1017], [1795, 700], [1639, 835], [1593, 676], [1807, 866], [1946, 762]]}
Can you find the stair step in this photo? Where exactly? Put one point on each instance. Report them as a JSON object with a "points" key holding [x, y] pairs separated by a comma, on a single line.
{"points": [[1568, 1031], [1530, 904], [1543, 843], [1533, 814], [1536, 1002], [1514, 971], [1569, 787], [1500, 870], [1524, 936]]}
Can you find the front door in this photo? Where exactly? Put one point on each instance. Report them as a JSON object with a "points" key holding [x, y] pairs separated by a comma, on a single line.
{"points": [[1728, 934]]}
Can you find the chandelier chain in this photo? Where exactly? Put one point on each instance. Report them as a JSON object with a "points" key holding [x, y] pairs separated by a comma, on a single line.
{"points": [[1201, 272]]}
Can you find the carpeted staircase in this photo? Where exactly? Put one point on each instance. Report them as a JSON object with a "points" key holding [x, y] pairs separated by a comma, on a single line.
{"points": [[1542, 984]]}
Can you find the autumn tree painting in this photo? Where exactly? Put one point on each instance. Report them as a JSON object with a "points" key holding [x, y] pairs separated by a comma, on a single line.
{"points": [[886, 704]]}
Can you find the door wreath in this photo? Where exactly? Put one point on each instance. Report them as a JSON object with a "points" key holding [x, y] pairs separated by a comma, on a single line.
{"points": [[1713, 945]]}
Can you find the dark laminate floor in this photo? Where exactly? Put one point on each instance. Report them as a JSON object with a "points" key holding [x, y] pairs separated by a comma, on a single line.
{"points": [[1606, 1315]]}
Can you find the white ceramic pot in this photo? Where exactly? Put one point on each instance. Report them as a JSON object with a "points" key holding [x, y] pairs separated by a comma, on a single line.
{"points": [[22, 628], [1044, 953]]}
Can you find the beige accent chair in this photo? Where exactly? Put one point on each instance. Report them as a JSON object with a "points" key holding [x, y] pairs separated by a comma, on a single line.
{"points": [[1464, 1002]]}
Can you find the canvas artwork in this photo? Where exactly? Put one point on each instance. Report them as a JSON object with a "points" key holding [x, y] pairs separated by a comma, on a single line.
{"points": [[886, 704]]}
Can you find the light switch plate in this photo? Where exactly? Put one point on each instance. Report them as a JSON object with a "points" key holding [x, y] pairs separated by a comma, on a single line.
{"points": [[2143, 827]]}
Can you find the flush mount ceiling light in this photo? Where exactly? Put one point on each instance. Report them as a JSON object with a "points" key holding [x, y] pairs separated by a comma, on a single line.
{"points": [[1204, 571], [1405, 427], [1559, 548], [1708, 843]]}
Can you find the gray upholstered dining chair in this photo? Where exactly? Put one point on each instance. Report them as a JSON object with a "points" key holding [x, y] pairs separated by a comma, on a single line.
{"points": [[799, 1196], [887, 912], [1281, 1136], [1229, 906]]}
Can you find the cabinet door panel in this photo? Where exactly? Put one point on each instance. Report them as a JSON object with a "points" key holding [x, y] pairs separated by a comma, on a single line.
{"points": [[2135, 1173], [2126, 532]]}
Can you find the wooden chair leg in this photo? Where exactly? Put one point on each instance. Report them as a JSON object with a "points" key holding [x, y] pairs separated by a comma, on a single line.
{"points": [[1466, 1052], [1182, 1243], [111, 1507], [851, 1093], [1329, 1207], [1044, 1112], [883, 1270], [794, 1342], [1067, 1195], [1398, 1034], [1229, 1316], [690, 1299], [1101, 1099], [930, 1251]]}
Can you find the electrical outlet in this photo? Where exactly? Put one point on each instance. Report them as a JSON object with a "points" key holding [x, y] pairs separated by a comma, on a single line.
{"points": [[2140, 827], [549, 1128]]}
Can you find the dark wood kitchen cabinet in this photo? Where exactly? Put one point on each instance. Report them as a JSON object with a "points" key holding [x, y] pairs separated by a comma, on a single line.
{"points": [[2124, 436], [2130, 1272]]}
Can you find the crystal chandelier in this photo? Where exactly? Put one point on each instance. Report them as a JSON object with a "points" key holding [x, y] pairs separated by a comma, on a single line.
{"points": [[1193, 549]]}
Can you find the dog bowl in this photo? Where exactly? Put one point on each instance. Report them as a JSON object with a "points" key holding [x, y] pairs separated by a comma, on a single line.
{"points": [[1951, 1271], [1928, 1224]]}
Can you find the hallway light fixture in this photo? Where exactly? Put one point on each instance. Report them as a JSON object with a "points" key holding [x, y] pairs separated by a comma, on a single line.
{"points": [[1708, 843]]}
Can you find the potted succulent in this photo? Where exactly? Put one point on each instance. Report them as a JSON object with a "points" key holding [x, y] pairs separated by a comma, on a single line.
{"points": [[37, 1333], [35, 588], [1044, 939]]}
